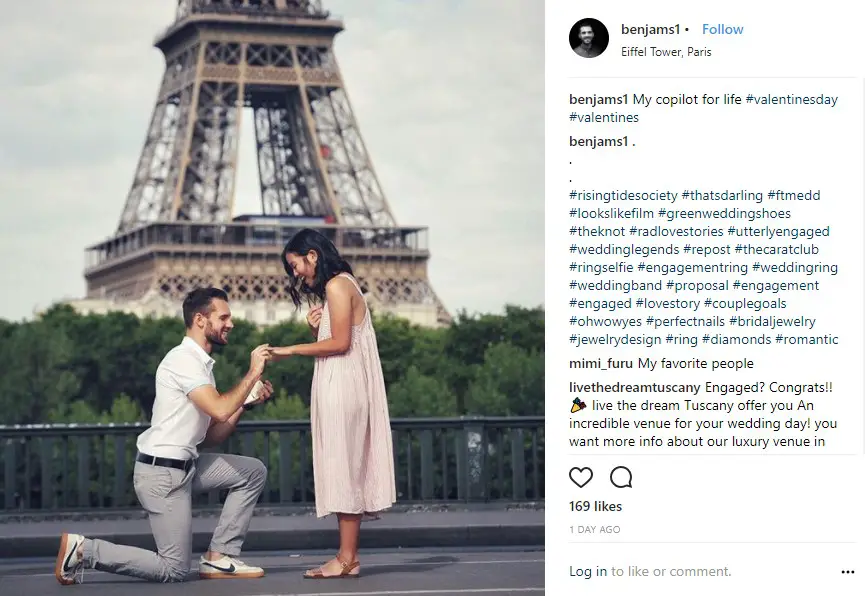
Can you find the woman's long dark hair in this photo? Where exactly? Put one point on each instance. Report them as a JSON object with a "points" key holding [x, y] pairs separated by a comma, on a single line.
{"points": [[329, 264]]}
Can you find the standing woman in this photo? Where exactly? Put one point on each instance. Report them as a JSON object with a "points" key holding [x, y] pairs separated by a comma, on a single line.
{"points": [[352, 452]]}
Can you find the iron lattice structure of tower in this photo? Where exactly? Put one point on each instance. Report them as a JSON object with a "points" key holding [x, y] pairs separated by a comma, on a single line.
{"points": [[177, 230]]}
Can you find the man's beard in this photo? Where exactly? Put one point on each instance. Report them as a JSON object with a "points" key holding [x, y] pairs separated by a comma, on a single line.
{"points": [[215, 339]]}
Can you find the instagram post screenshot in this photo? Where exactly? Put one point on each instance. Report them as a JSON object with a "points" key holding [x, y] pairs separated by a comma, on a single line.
{"points": [[704, 280], [275, 301]]}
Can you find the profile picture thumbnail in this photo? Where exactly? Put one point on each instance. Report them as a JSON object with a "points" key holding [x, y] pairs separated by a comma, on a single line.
{"points": [[589, 38]]}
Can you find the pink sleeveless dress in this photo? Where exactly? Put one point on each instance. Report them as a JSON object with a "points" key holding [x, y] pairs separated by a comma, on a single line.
{"points": [[352, 451]]}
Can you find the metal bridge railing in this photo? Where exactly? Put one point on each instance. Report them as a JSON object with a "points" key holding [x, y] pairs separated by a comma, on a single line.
{"points": [[437, 460]]}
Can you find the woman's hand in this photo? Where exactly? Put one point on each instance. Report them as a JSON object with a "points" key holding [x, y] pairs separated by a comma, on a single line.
{"points": [[282, 352], [313, 318]]}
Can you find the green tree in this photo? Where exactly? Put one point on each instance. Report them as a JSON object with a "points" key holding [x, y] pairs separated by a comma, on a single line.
{"points": [[39, 372], [65, 366], [417, 395], [510, 383], [468, 339]]}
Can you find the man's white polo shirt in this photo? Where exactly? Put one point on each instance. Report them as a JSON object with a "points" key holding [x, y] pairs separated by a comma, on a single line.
{"points": [[177, 426]]}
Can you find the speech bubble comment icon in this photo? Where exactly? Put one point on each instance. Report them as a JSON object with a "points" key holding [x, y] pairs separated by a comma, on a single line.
{"points": [[621, 477], [581, 476]]}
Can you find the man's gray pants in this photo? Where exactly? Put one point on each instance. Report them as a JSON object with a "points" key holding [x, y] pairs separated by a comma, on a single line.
{"points": [[166, 495]]}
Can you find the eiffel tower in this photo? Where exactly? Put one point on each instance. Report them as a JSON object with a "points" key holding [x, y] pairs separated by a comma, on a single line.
{"points": [[177, 229]]}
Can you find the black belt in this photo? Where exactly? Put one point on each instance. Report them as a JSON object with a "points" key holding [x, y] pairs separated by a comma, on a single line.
{"points": [[167, 462]]}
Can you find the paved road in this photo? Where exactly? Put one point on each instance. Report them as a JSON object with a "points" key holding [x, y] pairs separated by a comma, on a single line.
{"points": [[409, 572], [475, 528]]}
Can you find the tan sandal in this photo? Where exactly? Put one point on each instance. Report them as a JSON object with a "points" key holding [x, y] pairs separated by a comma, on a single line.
{"points": [[346, 573]]}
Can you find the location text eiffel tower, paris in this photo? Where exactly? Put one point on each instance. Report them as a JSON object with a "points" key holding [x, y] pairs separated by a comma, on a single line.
{"points": [[178, 230]]}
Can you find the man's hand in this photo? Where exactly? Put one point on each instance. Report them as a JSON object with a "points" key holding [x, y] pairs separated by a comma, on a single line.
{"points": [[313, 317], [264, 394], [259, 358]]}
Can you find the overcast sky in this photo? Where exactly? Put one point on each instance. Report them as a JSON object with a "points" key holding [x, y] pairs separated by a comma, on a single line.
{"points": [[448, 95]]}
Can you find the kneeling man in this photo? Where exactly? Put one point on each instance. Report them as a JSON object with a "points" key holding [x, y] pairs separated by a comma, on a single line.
{"points": [[188, 412]]}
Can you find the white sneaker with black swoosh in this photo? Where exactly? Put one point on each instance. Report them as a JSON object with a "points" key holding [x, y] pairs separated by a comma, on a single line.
{"points": [[69, 568], [227, 568]]}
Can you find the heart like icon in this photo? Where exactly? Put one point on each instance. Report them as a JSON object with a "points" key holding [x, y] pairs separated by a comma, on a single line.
{"points": [[581, 476]]}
